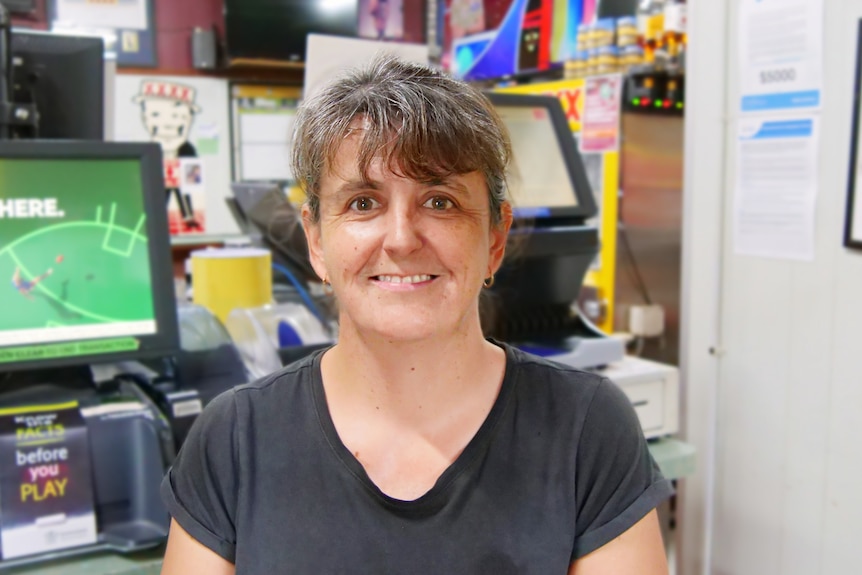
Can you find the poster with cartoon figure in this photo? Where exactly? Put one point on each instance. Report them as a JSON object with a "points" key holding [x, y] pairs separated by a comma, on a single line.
{"points": [[189, 118]]}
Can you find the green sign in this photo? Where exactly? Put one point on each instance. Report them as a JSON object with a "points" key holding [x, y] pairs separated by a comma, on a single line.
{"points": [[72, 349]]}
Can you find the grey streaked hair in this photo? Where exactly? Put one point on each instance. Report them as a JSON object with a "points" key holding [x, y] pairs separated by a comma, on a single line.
{"points": [[425, 125]]}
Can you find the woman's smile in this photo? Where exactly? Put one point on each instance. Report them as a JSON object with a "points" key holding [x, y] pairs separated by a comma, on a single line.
{"points": [[403, 282]]}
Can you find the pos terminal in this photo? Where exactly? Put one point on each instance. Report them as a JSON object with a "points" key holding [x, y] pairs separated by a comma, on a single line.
{"points": [[552, 243], [85, 256]]}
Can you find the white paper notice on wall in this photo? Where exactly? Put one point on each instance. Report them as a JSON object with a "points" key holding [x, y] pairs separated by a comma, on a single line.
{"points": [[128, 14], [780, 55], [330, 56], [776, 187]]}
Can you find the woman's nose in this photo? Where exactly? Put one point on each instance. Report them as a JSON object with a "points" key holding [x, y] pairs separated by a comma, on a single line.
{"points": [[402, 231]]}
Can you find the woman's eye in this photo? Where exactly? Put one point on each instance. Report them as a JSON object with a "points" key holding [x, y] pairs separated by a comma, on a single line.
{"points": [[363, 204], [439, 203]]}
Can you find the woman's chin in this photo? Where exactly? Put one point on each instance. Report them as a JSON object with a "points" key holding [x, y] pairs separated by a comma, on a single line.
{"points": [[407, 333], [405, 329]]}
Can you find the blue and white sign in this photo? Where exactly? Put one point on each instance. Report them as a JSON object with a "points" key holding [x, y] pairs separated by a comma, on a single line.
{"points": [[760, 130], [780, 55], [776, 187]]}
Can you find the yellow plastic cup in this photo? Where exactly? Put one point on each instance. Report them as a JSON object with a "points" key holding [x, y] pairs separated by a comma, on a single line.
{"points": [[224, 279]]}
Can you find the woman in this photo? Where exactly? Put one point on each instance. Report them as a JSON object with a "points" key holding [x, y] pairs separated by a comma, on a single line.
{"points": [[414, 445]]}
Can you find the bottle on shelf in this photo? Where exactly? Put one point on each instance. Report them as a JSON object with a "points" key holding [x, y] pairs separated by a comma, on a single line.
{"points": [[675, 35], [591, 62], [627, 31], [630, 57], [585, 37], [575, 66], [604, 31], [650, 20], [607, 60]]}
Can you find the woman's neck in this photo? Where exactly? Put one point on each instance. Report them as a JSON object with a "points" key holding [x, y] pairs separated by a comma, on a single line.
{"points": [[414, 378]]}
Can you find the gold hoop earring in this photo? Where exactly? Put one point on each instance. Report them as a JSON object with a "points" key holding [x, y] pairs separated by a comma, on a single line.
{"points": [[488, 281], [327, 287]]}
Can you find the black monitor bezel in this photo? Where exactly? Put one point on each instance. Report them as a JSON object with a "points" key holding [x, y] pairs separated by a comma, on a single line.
{"points": [[586, 204], [165, 342], [33, 45]]}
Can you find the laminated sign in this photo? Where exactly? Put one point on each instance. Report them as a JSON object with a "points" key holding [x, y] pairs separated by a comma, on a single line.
{"points": [[46, 489]]}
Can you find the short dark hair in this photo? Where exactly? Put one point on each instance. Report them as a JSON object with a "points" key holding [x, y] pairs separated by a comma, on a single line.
{"points": [[424, 123]]}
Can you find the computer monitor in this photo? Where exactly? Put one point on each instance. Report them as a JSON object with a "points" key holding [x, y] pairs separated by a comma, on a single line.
{"points": [[550, 246], [64, 77], [547, 180], [246, 198], [264, 213], [84, 255]]}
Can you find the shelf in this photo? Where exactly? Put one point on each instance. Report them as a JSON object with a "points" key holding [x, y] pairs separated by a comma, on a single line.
{"points": [[187, 240], [264, 63]]}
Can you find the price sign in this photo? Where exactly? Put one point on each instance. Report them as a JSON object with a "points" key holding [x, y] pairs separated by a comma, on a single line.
{"points": [[777, 75], [780, 54]]}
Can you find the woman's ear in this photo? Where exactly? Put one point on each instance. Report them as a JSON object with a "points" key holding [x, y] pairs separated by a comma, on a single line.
{"points": [[499, 236], [312, 238]]}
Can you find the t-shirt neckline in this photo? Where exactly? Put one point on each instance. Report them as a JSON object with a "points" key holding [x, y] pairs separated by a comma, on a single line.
{"points": [[435, 496]]}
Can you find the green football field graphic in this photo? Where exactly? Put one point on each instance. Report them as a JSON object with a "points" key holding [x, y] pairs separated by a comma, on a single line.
{"points": [[100, 274]]}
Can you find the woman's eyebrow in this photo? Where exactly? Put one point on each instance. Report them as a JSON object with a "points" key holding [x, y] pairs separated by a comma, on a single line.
{"points": [[353, 186], [451, 183]]}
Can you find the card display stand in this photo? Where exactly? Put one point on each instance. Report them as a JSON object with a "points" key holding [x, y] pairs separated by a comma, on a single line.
{"points": [[46, 483], [130, 448]]}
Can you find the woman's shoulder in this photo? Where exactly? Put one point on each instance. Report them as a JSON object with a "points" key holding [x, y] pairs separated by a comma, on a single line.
{"points": [[300, 371], [535, 368], [540, 381], [274, 392]]}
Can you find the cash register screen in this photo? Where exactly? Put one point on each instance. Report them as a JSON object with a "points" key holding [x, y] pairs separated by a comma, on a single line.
{"points": [[546, 177], [539, 177], [83, 276]]}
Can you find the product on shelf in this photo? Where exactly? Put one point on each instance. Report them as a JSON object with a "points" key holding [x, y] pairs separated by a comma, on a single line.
{"points": [[576, 66], [650, 19], [606, 60], [603, 32], [630, 57], [585, 37], [675, 21], [627, 31]]}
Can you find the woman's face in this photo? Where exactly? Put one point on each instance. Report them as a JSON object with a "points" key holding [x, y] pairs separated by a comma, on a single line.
{"points": [[406, 259]]}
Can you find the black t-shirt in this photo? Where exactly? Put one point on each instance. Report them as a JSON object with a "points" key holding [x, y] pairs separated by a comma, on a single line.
{"points": [[559, 468]]}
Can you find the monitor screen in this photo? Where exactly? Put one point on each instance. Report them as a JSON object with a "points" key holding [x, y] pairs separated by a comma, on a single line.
{"points": [[277, 29], [84, 249], [64, 77], [539, 177], [546, 176]]}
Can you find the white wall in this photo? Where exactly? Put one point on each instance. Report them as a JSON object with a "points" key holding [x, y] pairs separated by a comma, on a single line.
{"points": [[703, 188], [777, 415]]}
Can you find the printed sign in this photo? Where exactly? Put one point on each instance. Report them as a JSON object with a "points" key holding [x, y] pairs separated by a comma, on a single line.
{"points": [[569, 92], [600, 128], [46, 490], [780, 54], [188, 117], [776, 189]]}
